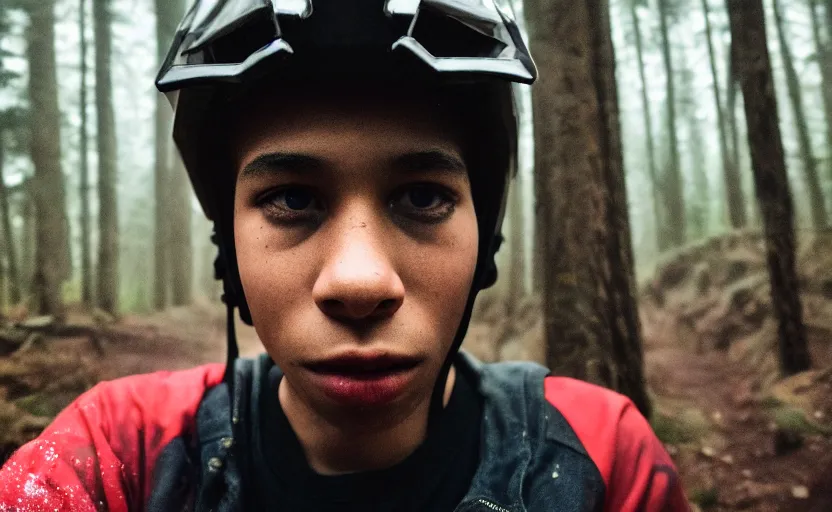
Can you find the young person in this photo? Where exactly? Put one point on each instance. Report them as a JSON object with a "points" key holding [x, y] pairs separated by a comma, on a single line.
{"points": [[354, 157]]}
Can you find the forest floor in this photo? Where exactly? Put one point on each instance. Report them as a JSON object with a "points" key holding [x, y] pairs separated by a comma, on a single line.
{"points": [[743, 438]]}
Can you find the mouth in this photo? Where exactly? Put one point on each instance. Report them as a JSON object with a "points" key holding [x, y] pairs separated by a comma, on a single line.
{"points": [[364, 379], [364, 366]]}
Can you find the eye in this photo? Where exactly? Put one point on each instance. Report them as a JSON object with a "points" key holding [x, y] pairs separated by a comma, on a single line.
{"points": [[297, 198], [423, 197], [291, 204], [427, 203]]}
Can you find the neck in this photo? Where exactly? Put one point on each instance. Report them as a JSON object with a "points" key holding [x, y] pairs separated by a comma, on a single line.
{"points": [[356, 444]]}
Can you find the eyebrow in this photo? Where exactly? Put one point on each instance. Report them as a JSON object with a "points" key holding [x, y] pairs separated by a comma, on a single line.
{"points": [[271, 163], [429, 160], [413, 162]]}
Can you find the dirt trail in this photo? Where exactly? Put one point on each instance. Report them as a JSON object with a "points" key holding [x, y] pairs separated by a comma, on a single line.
{"points": [[743, 437], [174, 340]]}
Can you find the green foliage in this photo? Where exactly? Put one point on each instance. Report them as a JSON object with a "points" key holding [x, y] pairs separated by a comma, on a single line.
{"points": [[672, 430], [705, 498], [791, 419], [36, 404], [770, 402], [12, 118], [134, 296]]}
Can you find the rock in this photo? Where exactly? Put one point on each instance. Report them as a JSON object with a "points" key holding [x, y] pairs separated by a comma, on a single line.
{"points": [[800, 492], [749, 493], [702, 278], [707, 451], [826, 288], [743, 395], [746, 473], [737, 269], [728, 459], [786, 441], [673, 274]]}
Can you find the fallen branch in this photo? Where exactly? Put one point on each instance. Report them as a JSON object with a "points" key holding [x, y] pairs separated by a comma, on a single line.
{"points": [[30, 333]]}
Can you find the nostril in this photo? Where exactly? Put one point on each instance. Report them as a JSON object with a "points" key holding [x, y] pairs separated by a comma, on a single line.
{"points": [[330, 304], [387, 304]]}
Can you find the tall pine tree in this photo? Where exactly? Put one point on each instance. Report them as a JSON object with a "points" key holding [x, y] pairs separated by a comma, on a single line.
{"points": [[591, 323], [107, 289], [748, 33]]}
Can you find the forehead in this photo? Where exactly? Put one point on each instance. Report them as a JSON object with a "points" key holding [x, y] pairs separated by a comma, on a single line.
{"points": [[326, 115]]}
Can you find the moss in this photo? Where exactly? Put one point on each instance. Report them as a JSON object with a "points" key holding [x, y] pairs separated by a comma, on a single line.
{"points": [[770, 402], [671, 430], [37, 405], [705, 498], [791, 419]]}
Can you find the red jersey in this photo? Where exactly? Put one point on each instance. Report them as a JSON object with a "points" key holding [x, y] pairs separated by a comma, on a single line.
{"points": [[102, 451]]}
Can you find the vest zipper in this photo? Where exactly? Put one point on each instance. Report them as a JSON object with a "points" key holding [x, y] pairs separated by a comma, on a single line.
{"points": [[492, 506]]}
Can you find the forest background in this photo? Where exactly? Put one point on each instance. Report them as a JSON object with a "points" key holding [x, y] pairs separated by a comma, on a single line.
{"points": [[682, 213]]}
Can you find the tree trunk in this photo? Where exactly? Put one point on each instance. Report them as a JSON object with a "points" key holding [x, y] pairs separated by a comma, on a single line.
{"points": [[209, 286], [731, 118], [52, 241], [730, 166], [539, 255], [180, 235], [29, 239], [751, 207], [107, 160], [648, 125], [824, 56], [674, 204], [84, 185], [829, 21], [770, 179], [174, 256], [516, 277], [591, 324], [167, 18], [810, 168], [699, 196], [12, 276]]}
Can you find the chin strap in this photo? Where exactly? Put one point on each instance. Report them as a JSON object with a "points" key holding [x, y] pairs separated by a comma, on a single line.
{"points": [[232, 350], [481, 281], [437, 400]]}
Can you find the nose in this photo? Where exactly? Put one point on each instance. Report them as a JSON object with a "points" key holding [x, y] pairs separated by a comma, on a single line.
{"points": [[358, 282]]}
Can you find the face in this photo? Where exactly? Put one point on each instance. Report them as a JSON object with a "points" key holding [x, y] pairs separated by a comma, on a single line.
{"points": [[356, 242]]}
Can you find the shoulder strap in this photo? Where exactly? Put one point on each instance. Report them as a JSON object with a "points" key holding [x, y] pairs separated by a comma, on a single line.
{"points": [[223, 438], [531, 458]]}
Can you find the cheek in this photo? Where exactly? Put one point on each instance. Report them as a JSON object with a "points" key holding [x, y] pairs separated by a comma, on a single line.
{"points": [[438, 276], [273, 273]]}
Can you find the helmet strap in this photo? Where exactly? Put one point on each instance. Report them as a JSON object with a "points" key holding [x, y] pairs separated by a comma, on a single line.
{"points": [[221, 273], [233, 351]]}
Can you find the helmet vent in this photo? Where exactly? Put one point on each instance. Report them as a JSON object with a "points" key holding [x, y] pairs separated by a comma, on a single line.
{"points": [[237, 45], [445, 36]]}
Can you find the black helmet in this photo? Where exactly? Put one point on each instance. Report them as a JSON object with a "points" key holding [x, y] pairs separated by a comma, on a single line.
{"points": [[223, 47]]}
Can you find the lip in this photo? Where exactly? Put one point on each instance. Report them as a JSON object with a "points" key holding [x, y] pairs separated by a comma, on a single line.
{"points": [[364, 378]]}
